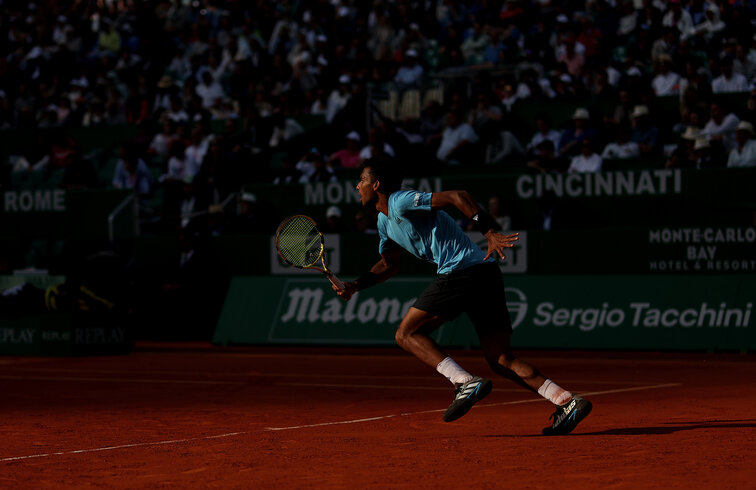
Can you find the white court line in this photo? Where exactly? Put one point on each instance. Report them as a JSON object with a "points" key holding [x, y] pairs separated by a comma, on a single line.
{"points": [[122, 380], [595, 393], [124, 446], [324, 424]]}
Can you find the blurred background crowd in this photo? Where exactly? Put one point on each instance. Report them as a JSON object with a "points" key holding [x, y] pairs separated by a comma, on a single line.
{"points": [[222, 93]]}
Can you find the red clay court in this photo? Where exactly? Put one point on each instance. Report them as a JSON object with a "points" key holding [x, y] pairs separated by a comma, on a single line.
{"points": [[196, 416]]}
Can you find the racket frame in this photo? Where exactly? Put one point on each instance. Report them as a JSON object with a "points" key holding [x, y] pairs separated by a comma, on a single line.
{"points": [[322, 256]]}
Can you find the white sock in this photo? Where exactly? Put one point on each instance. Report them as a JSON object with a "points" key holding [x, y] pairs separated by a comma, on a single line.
{"points": [[453, 371], [552, 392]]}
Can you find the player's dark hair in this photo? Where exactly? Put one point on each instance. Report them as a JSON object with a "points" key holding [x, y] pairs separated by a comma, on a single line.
{"points": [[385, 170]]}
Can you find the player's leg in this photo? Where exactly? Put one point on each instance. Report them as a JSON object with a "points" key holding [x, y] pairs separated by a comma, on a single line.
{"points": [[502, 360], [413, 335], [494, 329]]}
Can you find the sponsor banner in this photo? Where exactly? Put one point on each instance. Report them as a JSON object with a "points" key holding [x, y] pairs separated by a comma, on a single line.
{"points": [[332, 254], [718, 249], [61, 335], [59, 213], [619, 312]]}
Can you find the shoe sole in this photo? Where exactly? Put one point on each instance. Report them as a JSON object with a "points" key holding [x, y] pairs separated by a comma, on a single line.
{"points": [[483, 391], [581, 414]]}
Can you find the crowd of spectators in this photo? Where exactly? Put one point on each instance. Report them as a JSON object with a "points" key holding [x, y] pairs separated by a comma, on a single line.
{"points": [[219, 88]]}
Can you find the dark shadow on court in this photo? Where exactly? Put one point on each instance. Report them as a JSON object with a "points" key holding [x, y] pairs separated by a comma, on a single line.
{"points": [[668, 428], [673, 427]]}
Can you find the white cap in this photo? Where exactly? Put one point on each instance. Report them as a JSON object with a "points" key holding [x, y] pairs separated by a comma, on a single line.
{"points": [[354, 136], [701, 143], [321, 38], [581, 113], [745, 126], [691, 133], [344, 79], [634, 71], [333, 212], [411, 53], [248, 197], [639, 110]]}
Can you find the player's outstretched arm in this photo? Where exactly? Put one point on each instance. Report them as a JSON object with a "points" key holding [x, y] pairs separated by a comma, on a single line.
{"points": [[383, 270], [463, 201]]}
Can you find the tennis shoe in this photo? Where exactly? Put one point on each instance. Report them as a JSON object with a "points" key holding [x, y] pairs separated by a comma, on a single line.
{"points": [[465, 396], [567, 416]]}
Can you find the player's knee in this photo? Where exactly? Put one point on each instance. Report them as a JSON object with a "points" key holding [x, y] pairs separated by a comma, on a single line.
{"points": [[401, 337]]}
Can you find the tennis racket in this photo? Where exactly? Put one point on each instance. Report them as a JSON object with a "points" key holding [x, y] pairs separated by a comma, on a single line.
{"points": [[301, 244]]}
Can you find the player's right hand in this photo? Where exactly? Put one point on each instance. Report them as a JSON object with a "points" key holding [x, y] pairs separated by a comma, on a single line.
{"points": [[349, 289]]}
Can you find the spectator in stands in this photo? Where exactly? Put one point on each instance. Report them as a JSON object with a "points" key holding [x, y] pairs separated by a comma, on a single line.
{"points": [[547, 159], [333, 222], [177, 168], [162, 141], [175, 111], [729, 80], [338, 98], [666, 81], [457, 140], [744, 154], [645, 134], [410, 74], [705, 157], [209, 90], [743, 63], [196, 150], [377, 145], [288, 173], [318, 170], [720, 128], [349, 156], [431, 119], [679, 18], [683, 155], [285, 128], [131, 172], [545, 132], [587, 161], [572, 138], [486, 118], [623, 147], [624, 107], [497, 212]]}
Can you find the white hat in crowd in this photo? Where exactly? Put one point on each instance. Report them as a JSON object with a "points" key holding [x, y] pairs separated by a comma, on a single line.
{"points": [[745, 126], [353, 135], [581, 113], [691, 133], [640, 110], [701, 143], [333, 212]]}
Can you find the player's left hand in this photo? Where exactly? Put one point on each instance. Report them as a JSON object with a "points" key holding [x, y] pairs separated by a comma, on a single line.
{"points": [[497, 242]]}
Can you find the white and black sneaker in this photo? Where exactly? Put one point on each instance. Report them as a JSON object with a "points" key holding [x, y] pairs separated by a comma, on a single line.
{"points": [[465, 396], [567, 416]]}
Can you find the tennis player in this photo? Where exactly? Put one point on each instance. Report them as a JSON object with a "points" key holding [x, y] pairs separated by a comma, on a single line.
{"points": [[468, 281]]}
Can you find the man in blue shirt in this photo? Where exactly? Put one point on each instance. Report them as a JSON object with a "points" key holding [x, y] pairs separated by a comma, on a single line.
{"points": [[468, 281]]}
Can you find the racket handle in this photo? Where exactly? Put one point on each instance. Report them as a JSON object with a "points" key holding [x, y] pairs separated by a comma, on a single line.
{"points": [[335, 281]]}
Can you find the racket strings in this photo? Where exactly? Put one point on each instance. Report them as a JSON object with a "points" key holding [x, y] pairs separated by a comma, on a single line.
{"points": [[299, 242]]}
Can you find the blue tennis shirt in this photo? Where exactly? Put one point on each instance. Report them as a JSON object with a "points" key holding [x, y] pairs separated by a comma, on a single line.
{"points": [[429, 235]]}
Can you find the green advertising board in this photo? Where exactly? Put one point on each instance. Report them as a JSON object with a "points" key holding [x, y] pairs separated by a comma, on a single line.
{"points": [[680, 312]]}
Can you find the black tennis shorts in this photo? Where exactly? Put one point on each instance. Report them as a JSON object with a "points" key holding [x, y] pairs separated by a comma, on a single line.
{"points": [[477, 291]]}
